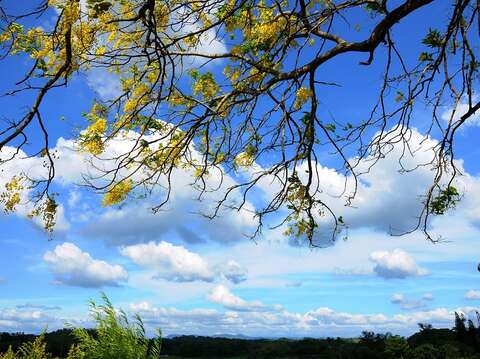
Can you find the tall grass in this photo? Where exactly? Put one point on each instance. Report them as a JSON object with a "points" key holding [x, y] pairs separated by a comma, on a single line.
{"points": [[115, 337]]}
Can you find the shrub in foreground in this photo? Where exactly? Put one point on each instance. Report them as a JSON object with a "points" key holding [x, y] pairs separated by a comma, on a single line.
{"points": [[115, 336]]}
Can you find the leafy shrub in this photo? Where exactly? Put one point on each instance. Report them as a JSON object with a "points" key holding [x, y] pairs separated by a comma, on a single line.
{"points": [[29, 350], [115, 336]]}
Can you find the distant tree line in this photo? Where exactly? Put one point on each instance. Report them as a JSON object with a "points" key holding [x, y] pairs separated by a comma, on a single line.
{"points": [[462, 341]]}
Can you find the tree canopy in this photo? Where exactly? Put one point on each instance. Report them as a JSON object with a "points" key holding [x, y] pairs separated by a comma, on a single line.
{"points": [[259, 112]]}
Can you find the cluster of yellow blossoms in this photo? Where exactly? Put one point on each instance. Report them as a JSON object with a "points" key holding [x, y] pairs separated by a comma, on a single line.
{"points": [[91, 140], [101, 34], [302, 96], [11, 197], [117, 193]]}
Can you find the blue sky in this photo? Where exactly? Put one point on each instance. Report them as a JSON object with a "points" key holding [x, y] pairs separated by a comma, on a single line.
{"points": [[186, 275]]}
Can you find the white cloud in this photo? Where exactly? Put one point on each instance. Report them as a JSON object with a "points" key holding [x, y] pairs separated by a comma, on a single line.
{"points": [[388, 199], [472, 295], [73, 267], [409, 304], [428, 296], [12, 164], [135, 222], [251, 318], [73, 198], [34, 318], [233, 272], [174, 263], [323, 321], [105, 83], [381, 203], [25, 319], [178, 264], [461, 109], [222, 295], [395, 264]]}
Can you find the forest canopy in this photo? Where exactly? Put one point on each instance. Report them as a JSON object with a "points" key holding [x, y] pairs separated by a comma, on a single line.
{"points": [[236, 87]]}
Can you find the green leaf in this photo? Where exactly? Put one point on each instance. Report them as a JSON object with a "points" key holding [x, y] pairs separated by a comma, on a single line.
{"points": [[446, 199], [433, 39], [194, 74], [375, 7], [330, 127], [425, 56]]}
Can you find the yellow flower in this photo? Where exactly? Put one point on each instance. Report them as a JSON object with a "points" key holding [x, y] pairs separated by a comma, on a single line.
{"points": [[191, 41], [93, 145], [303, 94], [101, 51], [98, 127], [243, 159], [117, 193], [91, 139], [11, 197]]}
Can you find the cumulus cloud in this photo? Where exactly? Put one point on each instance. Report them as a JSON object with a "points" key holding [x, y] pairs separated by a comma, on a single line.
{"points": [[380, 204], [15, 319], [319, 322], [222, 295], [16, 163], [233, 272], [174, 263], [252, 318], [472, 295], [33, 318], [395, 264], [178, 264], [455, 114], [73, 267], [388, 196], [256, 321], [136, 223]]}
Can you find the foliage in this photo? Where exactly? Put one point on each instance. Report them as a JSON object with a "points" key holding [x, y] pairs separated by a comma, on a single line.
{"points": [[115, 336], [397, 347], [35, 349], [446, 199]]}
